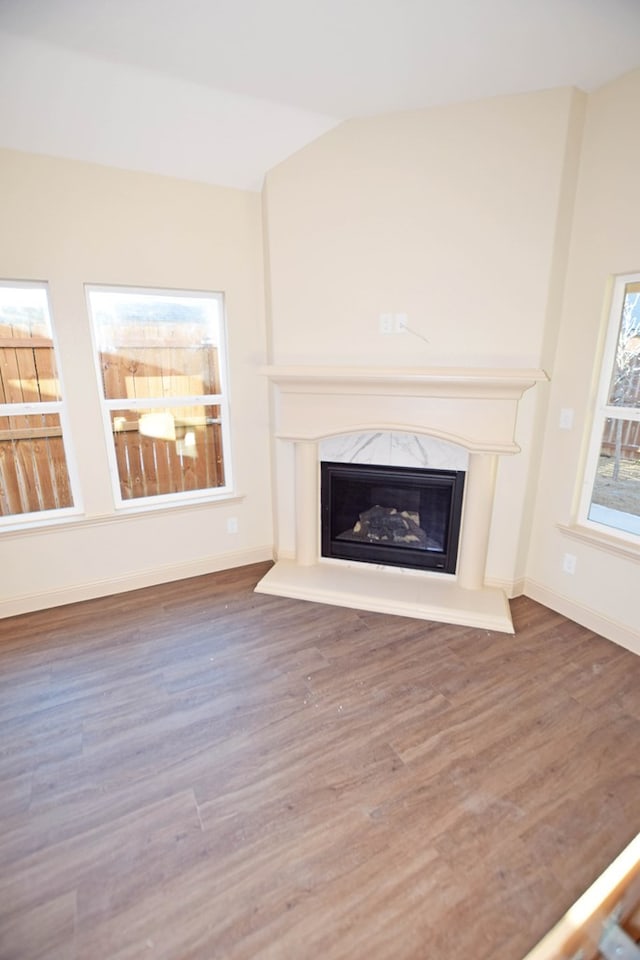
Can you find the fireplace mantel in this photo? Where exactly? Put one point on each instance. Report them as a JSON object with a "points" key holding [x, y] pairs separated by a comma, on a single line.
{"points": [[468, 382], [475, 408]]}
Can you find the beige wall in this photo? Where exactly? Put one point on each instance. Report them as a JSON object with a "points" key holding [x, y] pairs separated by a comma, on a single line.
{"points": [[467, 218], [456, 216], [603, 592], [71, 223], [446, 214]]}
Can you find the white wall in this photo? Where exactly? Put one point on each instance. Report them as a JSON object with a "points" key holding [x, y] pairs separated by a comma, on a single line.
{"points": [[70, 223], [456, 216], [603, 592]]}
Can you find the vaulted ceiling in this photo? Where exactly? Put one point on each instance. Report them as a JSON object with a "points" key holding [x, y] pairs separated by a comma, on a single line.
{"points": [[221, 90]]}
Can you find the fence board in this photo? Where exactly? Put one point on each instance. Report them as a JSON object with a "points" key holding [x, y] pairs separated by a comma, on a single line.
{"points": [[145, 362], [28, 375], [8, 341], [10, 376], [122, 462], [164, 477], [213, 370], [33, 475], [219, 460], [113, 376], [206, 449], [148, 447], [46, 475], [630, 439], [136, 472], [25, 474], [9, 488], [47, 375]]}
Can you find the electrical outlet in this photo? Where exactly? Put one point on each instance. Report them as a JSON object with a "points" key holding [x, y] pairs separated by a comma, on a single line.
{"points": [[566, 418], [385, 323], [400, 323], [569, 563], [232, 525]]}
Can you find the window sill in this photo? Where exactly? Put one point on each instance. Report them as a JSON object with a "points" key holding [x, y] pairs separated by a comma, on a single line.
{"points": [[150, 511], [617, 545]]}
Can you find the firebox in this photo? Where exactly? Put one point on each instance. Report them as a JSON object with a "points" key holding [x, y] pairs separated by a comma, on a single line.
{"points": [[397, 516]]}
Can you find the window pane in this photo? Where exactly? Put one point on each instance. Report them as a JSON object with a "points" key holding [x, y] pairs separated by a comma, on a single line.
{"points": [[615, 499], [27, 364], [624, 389], [156, 345], [33, 469], [161, 360], [168, 450]]}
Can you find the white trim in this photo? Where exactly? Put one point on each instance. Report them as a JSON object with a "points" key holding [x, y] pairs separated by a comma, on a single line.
{"points": [[512, 588], [37, 521], [30, 408], [143, 578], [476, 382], [220, 400], [440, 402], [585, 616], [625, 524], [603, 410], [137, 403], [621, 413], [75, 520], [621, 545], [58, 407]]}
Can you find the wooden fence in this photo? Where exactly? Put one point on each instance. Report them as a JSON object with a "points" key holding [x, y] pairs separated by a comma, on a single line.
{"points": [[33, 470], [152, 362], [167, 361], [149, 466], [629, 393], [630, 439]]}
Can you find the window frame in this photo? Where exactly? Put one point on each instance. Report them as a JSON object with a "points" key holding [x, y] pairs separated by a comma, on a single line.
{"points": [[60, 408], [221, 400], [603, 410]]}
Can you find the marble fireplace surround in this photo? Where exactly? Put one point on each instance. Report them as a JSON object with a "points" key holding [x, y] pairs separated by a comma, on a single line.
{"points": [[459, 418]]}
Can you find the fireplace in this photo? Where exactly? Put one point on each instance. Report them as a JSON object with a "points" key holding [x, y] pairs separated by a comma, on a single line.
{"points": [[471, 410], [400, 517]]}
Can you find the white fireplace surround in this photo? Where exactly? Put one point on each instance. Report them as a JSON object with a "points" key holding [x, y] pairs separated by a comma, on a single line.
{"points": [[440, 417]]}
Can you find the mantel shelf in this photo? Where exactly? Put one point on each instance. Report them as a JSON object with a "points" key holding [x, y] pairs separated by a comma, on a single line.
{"points": [[469, 382]]}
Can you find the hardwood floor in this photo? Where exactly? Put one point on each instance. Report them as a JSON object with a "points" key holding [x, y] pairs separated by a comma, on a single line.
{"points": [[195, 771]]}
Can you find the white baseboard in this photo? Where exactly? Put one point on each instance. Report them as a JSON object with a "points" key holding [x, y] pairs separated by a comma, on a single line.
{"points": [[512, 588], [144, 578], [610, 629]]}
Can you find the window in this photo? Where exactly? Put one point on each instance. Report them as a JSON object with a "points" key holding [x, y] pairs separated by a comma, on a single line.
{"points": [[162, 367], [612, 488], [34, 472]]}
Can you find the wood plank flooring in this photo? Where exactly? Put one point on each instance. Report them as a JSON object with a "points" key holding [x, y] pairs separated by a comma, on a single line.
{"points": [[195, 771]]}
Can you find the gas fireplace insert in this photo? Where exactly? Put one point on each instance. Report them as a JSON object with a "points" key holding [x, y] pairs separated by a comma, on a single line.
{"points": [[397, 516]]}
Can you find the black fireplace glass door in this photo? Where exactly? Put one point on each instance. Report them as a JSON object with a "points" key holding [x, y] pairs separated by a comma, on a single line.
{"points": [[400, 516]]}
